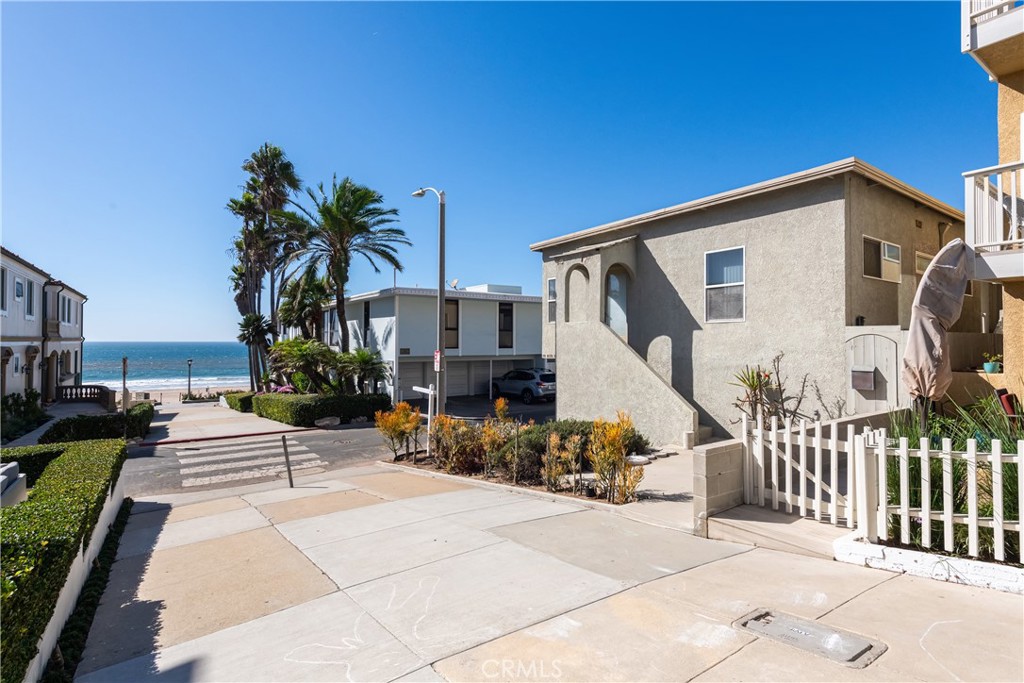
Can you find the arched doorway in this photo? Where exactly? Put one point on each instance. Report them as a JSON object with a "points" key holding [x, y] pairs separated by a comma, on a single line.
{"points": [[31, 354]]}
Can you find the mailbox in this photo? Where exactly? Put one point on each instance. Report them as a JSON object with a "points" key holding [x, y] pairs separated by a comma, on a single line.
{"points": [[862, 378]]}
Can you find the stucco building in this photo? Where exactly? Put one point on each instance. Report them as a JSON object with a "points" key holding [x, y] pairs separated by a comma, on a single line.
{"points": [[655, 313], [489, 329], [993, 34], [41, 341]]}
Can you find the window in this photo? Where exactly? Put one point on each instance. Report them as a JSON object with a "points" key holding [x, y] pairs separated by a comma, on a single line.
{"points": [[366, 323], [724, 289], [3, 290], [17, 364], [504, 326], [616, 294], [921, 261], [30, 299], [882, 260], [19, 289], [451, 323], [552, 299]]}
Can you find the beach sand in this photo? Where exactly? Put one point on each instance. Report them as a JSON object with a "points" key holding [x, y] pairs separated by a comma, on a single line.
{"points": [[174, 394]]}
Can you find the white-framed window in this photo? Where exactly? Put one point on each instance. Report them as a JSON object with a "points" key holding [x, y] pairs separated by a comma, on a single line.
{"points": [[552, 299], [882, 260], [30, 300], [725, 285], [921, 261], [506, 323], [3, 290], [17, 363], [19, 289]]}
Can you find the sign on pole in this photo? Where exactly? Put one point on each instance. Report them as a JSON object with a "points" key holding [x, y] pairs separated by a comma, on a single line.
{"points": [[437, 361]]}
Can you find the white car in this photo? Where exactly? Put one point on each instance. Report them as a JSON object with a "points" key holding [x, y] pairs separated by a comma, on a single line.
{"points": [[526, 384]]}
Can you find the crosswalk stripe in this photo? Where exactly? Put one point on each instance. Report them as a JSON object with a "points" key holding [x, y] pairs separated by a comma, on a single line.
{"points": [[240, 454], [245, 463], [256, 443], [248, 474]]}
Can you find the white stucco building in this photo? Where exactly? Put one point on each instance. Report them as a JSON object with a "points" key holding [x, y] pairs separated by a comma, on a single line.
{"points": [[41, 339], [489, 329]]}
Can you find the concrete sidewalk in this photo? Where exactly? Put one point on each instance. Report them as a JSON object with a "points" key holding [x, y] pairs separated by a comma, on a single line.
{"points": [[374, 574], [196, 421]]}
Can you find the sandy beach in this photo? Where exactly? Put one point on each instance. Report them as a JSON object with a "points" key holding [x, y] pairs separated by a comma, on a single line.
{"points": [[174, 394]]}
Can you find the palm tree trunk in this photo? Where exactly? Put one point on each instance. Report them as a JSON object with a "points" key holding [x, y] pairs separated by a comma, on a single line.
{"points": [[252, 375], [273, 308], [339, 305]]}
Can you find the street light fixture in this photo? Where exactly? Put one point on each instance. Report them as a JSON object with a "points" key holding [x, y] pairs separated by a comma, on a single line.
{"points": [[439, 363], [189, 394]]}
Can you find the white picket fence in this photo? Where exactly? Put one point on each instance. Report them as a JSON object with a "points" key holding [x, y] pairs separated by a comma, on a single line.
{"points": [[837, 474]]}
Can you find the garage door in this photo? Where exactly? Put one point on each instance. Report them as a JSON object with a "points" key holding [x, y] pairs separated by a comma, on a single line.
{"points": [[409, 376], [458, 378], [481, 377]]}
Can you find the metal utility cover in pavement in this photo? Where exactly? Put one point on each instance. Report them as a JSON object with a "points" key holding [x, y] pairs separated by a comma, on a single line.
{"points": [[848, 649]]}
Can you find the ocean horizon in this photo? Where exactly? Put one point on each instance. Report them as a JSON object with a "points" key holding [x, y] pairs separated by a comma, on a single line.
{"points": [[154, 366]]}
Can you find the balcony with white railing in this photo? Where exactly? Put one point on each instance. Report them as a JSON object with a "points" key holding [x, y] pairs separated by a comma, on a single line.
{"points": [[990, 31], [994, 216]]}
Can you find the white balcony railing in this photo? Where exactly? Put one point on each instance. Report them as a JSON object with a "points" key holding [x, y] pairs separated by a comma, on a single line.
{"points": [[983, 10], [994, 207]]}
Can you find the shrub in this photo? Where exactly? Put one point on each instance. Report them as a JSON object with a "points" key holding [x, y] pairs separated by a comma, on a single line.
{"points": [[458, 446], [32, 460], [44, 535], [88, 427], [562, 459], [396, 426], [240, 401], [607, 455], [20, 414], [301, 410]]}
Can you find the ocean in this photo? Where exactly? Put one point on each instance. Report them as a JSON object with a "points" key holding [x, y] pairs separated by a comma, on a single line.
{"points": [[153, 366]]}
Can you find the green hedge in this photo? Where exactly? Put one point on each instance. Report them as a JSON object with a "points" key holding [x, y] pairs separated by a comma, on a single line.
{"points": [[240, 401], [42, 536], [32, 460], [86, 427], [302, 410]]}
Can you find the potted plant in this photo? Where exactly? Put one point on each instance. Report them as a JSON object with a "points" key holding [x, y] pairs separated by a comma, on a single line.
{"points": [[993, 361]]}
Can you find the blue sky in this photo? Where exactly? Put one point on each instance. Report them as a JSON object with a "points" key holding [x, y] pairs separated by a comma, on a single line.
{"points": [[124, 125]]}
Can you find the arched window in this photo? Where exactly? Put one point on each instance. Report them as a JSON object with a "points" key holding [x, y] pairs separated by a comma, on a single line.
{"points": [[616, 295]]}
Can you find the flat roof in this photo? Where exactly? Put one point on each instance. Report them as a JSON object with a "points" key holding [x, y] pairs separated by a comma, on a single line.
{"points": [[848, 165], [432, 293]]}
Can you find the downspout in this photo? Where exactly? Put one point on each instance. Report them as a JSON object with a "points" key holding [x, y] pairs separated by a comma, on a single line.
{"points": [[46, 337], [81, 344]]}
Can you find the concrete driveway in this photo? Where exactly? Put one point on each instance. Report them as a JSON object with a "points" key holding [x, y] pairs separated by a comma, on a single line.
{"points": [[373, 574]]}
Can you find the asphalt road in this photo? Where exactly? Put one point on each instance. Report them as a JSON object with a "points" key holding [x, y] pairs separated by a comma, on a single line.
{"points": [[204, 465]]}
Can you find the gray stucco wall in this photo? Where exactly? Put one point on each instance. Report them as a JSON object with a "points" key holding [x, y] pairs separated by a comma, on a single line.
{"points": [[794, 296]]}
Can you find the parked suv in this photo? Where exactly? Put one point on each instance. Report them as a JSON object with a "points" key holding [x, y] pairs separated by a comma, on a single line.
{"points": [[526, 384]]}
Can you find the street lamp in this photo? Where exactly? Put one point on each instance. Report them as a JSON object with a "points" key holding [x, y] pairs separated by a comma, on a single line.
{"points": [[439, 365], [189, 394]]}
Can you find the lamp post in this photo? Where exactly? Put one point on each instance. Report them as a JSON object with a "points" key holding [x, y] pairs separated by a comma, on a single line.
{"points": [[439, 364], [189, 394]]}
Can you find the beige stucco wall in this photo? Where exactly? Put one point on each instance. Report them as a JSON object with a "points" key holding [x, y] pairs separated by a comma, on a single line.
{"points": [[1013, 338], [876, 211], [1010, 105]]}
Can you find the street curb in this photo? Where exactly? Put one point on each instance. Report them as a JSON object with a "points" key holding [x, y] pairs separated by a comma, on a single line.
{"points": [[230, 436]]}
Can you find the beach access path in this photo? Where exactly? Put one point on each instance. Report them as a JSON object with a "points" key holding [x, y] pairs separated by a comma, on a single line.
{"points": [[373, 574]]}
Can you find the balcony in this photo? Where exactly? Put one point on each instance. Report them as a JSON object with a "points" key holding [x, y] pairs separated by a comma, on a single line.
{"points": [[994, 214], [992, 31]]}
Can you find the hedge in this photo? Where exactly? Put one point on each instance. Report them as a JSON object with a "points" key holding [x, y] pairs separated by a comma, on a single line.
{"points": [[240, 401], [86, 427], [42, 537], [301, 410]]}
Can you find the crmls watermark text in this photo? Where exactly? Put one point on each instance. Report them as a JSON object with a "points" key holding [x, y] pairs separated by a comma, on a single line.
{"points": [[515, 669]]}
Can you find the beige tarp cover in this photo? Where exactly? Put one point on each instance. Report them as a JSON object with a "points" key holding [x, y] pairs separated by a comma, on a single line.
{"points": [[937, 305]]}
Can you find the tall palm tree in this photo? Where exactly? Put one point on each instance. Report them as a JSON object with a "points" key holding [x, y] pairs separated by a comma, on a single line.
{"points": [[349, 221], [252, 332], [248, 245], [273, 180]]}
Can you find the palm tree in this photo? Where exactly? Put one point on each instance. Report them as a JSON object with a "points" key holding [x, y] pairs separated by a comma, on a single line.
{"points": [[347, 222], [364, 365], [302, 303], [272, 181], [312, 358], [252, 332]]}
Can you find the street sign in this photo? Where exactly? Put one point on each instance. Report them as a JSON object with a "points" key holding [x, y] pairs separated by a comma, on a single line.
{"points": [[422, 390], [437, 361]]}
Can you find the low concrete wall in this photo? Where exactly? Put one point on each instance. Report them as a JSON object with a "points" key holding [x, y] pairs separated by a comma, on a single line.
{"points": [[717, 481], [80, 569], [603, 375]]}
